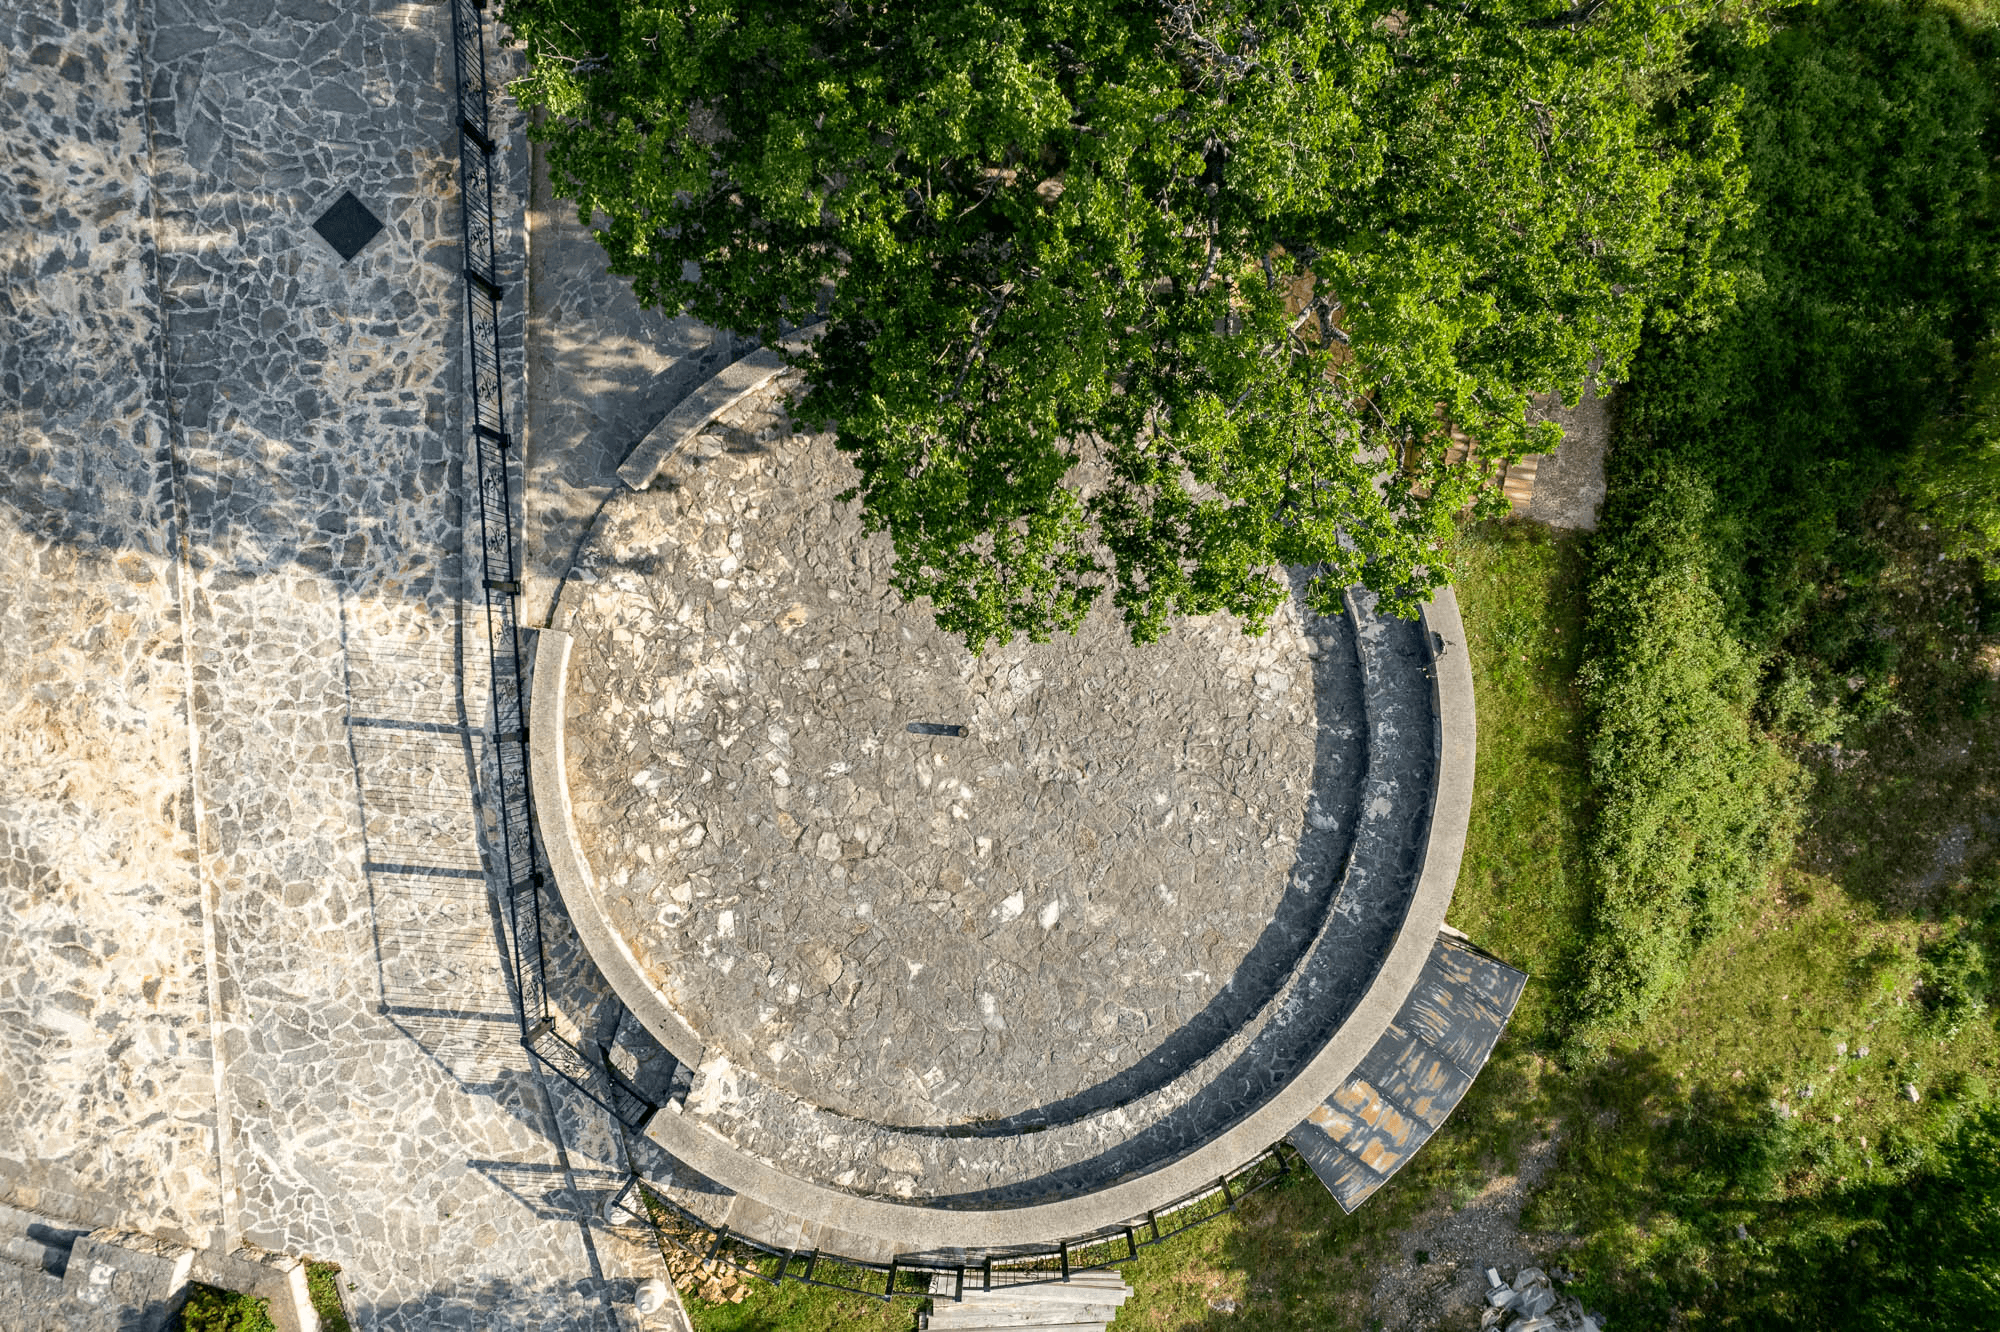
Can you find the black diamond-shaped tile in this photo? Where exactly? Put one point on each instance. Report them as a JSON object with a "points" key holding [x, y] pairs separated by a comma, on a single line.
{"points": [[347, 226]]}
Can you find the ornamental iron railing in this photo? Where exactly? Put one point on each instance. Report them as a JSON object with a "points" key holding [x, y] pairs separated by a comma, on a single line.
{"points": [[522, 866]]}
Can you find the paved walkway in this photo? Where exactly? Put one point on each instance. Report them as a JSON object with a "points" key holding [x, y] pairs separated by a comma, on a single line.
{"points": [[250, 974], [602, 372]]}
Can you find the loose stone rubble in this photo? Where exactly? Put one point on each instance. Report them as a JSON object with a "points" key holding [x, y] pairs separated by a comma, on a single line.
{"points": [[1531, 1303]]}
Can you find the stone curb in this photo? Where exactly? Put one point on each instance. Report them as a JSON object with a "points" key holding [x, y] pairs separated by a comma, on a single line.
{"points": [[279, 1278], [549, 783], [875, 1230], [729, 386]]}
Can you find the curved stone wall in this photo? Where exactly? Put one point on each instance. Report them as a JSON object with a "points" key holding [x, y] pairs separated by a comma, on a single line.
{"points": [[1350, 717]]}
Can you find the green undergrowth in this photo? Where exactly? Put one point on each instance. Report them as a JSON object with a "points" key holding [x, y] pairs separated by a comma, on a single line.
{"points": [[323, 1288], [210, 1309], [793, 1307], [1770, 1095], [1748, 590]]}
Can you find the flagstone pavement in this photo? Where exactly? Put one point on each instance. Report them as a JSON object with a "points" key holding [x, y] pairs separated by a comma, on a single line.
{"points": [[251, 980]]}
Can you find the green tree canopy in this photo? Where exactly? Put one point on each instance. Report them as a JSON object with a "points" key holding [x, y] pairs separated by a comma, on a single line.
{"points": [[1155, 296]]}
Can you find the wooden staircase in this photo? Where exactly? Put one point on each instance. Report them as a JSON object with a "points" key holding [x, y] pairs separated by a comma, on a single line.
{"points": [[1086, 1302]]}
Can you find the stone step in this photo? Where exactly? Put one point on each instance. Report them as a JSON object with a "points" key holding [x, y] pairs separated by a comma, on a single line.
{"points": [[1070, 1292], [36, 1241], [1095, 1325], [1041, 1327], [962, 1315], [1413, 1078], [1107, 1279], [1088, 1300], [50, 1258]]}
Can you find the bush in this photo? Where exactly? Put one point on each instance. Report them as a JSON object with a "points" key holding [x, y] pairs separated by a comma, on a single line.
{"points": [[1737, 599], [211, 1310], [1956, 982], [1957, 473], [1696, 804]]}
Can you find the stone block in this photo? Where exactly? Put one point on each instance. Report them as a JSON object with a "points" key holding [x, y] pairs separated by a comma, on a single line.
{"points": [[141, 1280]]}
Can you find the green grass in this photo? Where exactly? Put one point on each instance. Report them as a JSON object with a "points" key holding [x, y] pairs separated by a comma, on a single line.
{"points": [[210, 1309], [323, 1287], [797, 1308], [1522, 892]]}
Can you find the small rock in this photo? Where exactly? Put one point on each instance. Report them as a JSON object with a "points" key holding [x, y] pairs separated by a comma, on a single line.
{"points": [[1222, 1304], [1742, 1231], [1910, 1090], [651, 1295], [1840, 1047]]}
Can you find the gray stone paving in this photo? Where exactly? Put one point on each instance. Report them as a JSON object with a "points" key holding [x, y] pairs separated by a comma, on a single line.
{"points": [[685, 639], [913, 929], [601, 373], [241, 776], [1569, 483], [107, 1093]]}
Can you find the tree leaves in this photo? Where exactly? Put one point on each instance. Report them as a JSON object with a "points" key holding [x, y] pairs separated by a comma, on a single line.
{"points": [[1158, 298]]}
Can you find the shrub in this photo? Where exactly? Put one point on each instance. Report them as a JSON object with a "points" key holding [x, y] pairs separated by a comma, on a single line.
{"points": [[1956, 982], [1734, 587], [211, 1310], [323, 1287], [1696, 804]]}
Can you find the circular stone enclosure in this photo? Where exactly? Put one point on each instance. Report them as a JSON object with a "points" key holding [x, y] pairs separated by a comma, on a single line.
{"points": [[970, 951], [906, 883]]}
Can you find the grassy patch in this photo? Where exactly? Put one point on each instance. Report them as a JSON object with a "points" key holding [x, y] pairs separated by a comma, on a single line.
{"points": [[323, 1287], [1522, 892], [1287, 1258], [1750, 1102], [797, 1308]]}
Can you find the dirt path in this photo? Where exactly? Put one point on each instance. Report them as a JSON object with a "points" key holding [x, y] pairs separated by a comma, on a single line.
{"points": [[1446, 1288]]}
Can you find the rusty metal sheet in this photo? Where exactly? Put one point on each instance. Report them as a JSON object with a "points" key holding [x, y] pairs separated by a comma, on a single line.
{"points": [[1414, 1077]]}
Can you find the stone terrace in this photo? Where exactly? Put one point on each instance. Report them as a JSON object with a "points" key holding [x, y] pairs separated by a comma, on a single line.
{"points": [[981, 972], [915, 929]]}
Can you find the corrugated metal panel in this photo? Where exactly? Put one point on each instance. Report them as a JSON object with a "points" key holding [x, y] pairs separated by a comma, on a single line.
{"points": [[1417, 1073]]}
